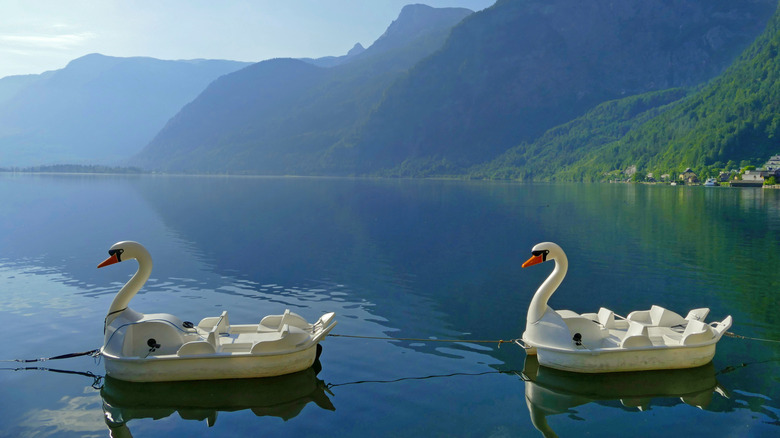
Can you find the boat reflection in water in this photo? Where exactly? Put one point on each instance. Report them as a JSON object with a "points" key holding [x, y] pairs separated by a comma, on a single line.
{"points": [[282, 396], [549, 391]]}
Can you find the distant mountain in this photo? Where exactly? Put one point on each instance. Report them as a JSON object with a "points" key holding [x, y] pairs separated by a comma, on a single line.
{"points": [[332, 61], [732, 120], [444, 90], [98, 109], [509, 73], [282, 115], [10, 86]]}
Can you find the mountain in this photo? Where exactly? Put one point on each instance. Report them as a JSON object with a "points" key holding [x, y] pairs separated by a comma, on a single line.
{"points": [[444, 90], [513, 71], [734, 118], [282, 115], [331, 61], [98, 109]]}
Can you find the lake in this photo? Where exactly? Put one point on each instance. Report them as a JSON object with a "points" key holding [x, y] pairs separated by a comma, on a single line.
{"points": [[421, 260]]}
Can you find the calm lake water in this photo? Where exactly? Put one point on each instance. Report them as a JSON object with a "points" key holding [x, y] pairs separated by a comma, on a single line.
{"points": [[393, 258]]}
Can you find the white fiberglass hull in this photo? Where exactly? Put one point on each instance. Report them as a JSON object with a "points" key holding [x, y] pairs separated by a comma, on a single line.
{"points": [[170, 368], [616, 360]]}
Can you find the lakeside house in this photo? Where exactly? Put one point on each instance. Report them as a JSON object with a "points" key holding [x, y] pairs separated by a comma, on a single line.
{"points": [[756, 175], [773, 163], [756, 178], [689, 176]]}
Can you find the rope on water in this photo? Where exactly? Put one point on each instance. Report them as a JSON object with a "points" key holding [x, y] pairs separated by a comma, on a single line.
{"points": [[517, 341], [468, 341], [93, 353], [734, 335]]}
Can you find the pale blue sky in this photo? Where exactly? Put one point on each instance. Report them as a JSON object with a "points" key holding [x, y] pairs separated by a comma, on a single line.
{"points": [[40, 35]]}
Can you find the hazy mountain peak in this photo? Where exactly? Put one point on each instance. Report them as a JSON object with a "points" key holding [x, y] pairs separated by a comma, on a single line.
{"points": [[356, 50], [415, 21]]}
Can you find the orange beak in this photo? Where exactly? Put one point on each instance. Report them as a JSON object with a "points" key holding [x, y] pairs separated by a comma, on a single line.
{"points": [[534, 260], [109, 261]]}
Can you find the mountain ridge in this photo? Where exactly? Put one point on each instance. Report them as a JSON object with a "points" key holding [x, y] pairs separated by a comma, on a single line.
{"points": [[97, 109], [278, 136]]}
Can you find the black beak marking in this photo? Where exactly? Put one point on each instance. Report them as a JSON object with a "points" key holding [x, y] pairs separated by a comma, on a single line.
{"points": [[118, 252]]}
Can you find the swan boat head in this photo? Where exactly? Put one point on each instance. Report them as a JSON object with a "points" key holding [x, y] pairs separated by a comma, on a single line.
{"points": [[120, 252], [545, 252]]}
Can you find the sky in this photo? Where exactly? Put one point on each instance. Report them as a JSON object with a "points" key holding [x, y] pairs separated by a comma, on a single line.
{"points": [[41, 35]]}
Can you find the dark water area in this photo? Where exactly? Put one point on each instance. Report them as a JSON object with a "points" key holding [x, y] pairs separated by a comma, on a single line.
{"points": [[413, 259]]}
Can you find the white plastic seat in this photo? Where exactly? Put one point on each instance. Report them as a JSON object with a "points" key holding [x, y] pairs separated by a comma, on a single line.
{"points": [[657, 316], [607, 318], [696, 332], [698, 314], [636, 336], [276, 322], [208, 346], [221, 323]]}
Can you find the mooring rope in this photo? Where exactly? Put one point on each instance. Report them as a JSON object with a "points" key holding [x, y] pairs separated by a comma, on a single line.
{"points": [[734, 335], [93, 353], [517, 341], [468, 341]]}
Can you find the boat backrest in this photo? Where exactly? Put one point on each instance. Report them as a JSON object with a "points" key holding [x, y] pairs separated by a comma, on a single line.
{"points": [[698, 314], [287, 340], [642, 316], [722, 326], [636, 336], [696, 332], [196, 347], [224, 323], [661, 317], [294, 320], [606, 318]]}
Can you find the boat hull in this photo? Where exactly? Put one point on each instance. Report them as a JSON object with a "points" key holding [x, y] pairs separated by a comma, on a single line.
{"points": [[171, 368], [607, 361]]}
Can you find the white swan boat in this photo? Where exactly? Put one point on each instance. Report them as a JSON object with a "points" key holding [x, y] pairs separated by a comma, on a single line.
{"points": [[161, 347], [604, 342]]}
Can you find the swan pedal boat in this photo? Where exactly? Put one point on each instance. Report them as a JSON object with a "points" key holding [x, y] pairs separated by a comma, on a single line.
{"points": [[603, 342], [161, 347]]}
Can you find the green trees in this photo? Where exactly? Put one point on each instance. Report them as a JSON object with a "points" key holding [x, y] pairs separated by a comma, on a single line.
{"points": [[734, 118]]}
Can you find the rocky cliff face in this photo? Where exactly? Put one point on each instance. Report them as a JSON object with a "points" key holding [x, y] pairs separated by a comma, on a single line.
{"points": [[509, 73]]}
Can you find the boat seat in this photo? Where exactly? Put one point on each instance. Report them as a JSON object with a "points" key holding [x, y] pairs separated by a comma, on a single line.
{"points": [[657, 316], [607, 318], [636, 336], [698, 314], [289, 338], [277, 322], [221, 323], [208, 346], [722, 326], [696, 332]]}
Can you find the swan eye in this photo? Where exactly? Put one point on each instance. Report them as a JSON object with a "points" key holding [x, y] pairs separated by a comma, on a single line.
{"points": [[541, 253], [118, 253]]}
